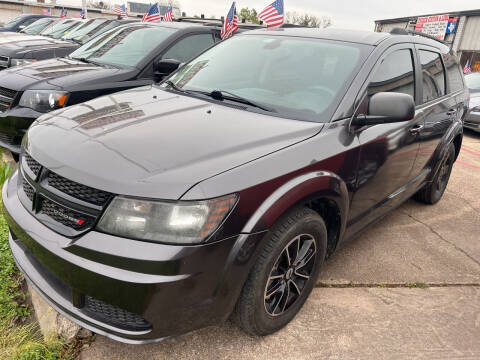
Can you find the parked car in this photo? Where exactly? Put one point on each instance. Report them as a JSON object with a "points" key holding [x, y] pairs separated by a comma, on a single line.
{"points": [[45, 27], [14, 52], [129, 56], [154, 211], [472, 121], [37, 26], [21, 22]]}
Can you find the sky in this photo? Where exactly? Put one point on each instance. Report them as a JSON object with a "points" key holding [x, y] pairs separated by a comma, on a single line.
{"points": [[347, 14]]}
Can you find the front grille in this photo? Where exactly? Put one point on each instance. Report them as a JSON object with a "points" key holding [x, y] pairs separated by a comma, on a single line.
{"points": [[66, 217], [79, 191], [4, 60], [115, 316], [7, 139], [8, 93], [29, 191], [32, 164], [7, 97]]}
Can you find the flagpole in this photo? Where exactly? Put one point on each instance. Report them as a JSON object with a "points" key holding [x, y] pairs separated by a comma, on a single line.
{"points": [[84, 6]]}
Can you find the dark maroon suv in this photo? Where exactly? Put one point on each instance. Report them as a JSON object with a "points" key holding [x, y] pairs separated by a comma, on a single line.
{"points": [[155, 211]]}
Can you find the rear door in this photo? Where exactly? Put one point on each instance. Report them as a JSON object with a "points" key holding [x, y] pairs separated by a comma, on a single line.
{"points": [[439, 108]]}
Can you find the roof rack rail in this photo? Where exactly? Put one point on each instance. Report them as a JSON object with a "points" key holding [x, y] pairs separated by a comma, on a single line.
{"points": [[400, 31]]}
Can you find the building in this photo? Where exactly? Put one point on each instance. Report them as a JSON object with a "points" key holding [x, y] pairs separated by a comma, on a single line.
{"points": [[460, 30], [142, 8]]}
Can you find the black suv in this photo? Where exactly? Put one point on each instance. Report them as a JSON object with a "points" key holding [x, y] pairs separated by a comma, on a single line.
{"points": [[158, 210], [129, 56], [21, 22]]}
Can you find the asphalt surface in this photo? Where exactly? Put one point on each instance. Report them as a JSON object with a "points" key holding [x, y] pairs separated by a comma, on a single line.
{"points": [[408, 287]]}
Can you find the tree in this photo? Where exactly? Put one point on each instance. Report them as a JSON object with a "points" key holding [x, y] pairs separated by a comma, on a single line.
{"points": [[104, 5], [308, 20], [249, 15]]}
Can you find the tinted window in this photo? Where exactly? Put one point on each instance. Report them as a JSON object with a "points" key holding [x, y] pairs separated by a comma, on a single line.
{"points": [[187, 48], [29, 21], [395, 74], [454, 73], [433, 75], [299, 78], [37, 26]]}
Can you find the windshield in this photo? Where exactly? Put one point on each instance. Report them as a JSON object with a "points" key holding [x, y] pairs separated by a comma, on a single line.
{"points": [[60, 29], [90, 25], [125, 46], [298, 78], [86, 34], [473, 81], [37, 26], [14, 21]]}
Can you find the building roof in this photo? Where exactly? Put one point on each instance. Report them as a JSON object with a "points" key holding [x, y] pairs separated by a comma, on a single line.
{"points": [[414, 18]]}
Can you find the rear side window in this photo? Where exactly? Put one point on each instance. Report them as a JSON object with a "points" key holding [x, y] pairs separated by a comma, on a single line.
{"points": [[433, 75], [454, 73], [395, 74], [189, 47]]}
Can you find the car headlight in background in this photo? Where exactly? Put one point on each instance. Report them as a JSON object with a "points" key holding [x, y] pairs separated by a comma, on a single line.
{"points": [[43, 100], [182, 222], [18, 62]]}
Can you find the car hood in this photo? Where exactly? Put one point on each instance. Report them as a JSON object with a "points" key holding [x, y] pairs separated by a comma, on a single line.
{"points": [[154, 143], [18, 47], [60, 74]]}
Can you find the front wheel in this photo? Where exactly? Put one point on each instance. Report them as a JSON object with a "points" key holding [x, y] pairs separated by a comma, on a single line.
{"points": [[284, 274], [433, 192]]}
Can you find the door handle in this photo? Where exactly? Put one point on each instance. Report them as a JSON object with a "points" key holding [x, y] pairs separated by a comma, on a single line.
{"points": [[416, 129], [451, 112]]}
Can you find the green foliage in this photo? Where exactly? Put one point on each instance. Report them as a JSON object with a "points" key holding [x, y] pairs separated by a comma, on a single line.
{"points": [[249, 15], [292, 17], [5, 172]]}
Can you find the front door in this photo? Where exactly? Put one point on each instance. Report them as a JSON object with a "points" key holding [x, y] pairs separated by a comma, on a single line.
{"points": [[388, 151]]}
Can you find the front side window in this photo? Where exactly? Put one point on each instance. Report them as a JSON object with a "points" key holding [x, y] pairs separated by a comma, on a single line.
{"points": [[395, 74], [433, 75], [297, 78], [186, 48], [123, 46]]}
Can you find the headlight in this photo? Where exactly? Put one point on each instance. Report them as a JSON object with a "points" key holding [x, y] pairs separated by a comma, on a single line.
{"points": [[18, 62], [183, 222], [43, 100]]}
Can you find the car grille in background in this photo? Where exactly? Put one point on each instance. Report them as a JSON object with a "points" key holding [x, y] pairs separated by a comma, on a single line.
{"points": [[7, 97], [4, 60], [115, 316], [79, 191], [63, 205], [9, 139]]}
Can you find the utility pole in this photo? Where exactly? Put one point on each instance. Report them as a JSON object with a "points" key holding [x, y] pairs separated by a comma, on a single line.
{"points": [[84, 7]]}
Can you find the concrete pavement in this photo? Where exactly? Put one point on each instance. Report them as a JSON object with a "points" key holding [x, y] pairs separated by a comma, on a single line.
{"points": [[344, 318]]}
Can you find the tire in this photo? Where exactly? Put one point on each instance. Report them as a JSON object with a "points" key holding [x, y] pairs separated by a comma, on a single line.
{"points": [[433, 192], [262, 310]]}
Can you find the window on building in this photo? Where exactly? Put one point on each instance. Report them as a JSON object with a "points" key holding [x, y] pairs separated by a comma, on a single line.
{"points": [[433, 75], [187, 48], [395, 74]]}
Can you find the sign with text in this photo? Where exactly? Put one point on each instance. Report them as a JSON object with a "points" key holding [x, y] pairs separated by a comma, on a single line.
{"points": [[433, 25]]}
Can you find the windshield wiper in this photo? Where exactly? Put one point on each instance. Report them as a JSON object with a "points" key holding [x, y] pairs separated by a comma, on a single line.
{"points": [[220, 95]]}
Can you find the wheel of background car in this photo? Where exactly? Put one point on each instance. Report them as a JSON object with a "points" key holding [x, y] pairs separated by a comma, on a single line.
{"points": [[284, 273], [432, 193]]}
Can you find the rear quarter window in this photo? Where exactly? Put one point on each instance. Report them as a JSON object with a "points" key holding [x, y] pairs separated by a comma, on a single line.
{"points": [[433, 75], [454, 74]]}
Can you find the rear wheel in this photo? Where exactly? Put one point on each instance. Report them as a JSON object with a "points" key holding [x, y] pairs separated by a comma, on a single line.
{"points": [[284, 274], [432, 193]]}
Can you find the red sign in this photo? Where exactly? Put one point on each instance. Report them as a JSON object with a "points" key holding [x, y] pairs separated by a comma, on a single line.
{"points": [[433, 25]]}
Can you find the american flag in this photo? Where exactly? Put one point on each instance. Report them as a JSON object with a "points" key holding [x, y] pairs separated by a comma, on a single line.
{"points": [[81, 14], [121, 11], [152, 15], [47, 11], [231, 23], [63, 14], [467, 69], [168, 16], [273, 15]]}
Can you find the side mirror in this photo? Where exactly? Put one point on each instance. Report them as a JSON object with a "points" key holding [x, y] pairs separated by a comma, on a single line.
{"points": [[165, 67], [387, 107], [20, 28]]}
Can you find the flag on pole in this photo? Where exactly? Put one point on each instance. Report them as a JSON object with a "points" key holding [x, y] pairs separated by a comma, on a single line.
{"points": [[168, 16], [467, 69], [121, 11], [273, 15], [63, 14], [47, 11], [231, 23], [81, 14], [152, 15]]}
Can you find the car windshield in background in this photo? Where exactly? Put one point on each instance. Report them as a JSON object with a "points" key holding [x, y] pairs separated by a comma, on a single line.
{"points": [[37, 26], [473, 81], [60, 29], [123, 46], [89, 27], [14, 21], [298, 78]]}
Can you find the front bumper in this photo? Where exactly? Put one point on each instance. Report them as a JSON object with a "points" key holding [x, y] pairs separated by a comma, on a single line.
{"points": [[14, 123], [472, 121], [175, 289]]}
